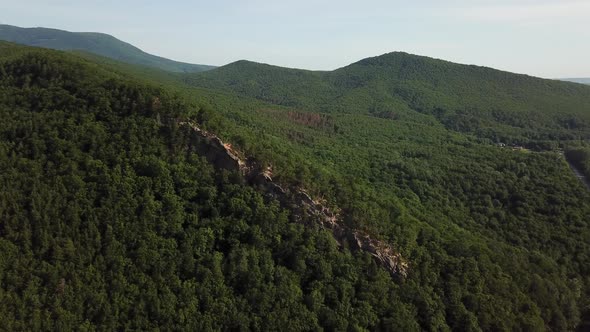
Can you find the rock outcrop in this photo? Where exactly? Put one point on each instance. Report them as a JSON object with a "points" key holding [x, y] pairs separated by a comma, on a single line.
{"points": [[306, 209], [214, 150]]}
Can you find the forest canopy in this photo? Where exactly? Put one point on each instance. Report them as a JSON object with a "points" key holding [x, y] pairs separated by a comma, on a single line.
{"points": [[109, 220]]}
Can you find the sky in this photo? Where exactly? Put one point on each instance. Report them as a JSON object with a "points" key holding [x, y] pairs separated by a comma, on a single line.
{"points": [[542, 38]]}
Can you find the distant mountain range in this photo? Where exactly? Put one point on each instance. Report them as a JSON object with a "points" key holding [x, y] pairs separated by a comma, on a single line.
{"points": [[583, 80], [96, 43]]}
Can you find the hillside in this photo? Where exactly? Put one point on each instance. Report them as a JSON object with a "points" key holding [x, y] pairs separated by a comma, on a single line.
{"points": [[129, 225], [96, 43], [498, 105]]}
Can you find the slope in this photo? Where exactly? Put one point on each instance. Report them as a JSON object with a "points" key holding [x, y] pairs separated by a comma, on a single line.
{"points": [[496, 239], [97, 43], [491, 103], [127, 226], [407, 144]]}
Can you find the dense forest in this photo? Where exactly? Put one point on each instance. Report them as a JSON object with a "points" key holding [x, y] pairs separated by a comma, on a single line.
{"points": [[109, 219]]}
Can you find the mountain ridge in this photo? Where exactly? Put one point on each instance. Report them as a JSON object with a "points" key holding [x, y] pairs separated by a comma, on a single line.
{"points": [[96, 43], [400, 82]]}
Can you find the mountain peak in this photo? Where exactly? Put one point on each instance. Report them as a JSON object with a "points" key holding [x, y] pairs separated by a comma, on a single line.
{"points": [[396, 58]]}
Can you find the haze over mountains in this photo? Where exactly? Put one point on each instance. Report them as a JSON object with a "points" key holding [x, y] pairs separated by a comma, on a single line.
{"points": [[111, 47], [257, 197], [583, 80], [96, 43]]}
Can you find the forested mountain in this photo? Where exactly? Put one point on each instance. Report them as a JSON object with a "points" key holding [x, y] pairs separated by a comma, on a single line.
{"points": [[96, 43], [490, 102], [110, 218]]}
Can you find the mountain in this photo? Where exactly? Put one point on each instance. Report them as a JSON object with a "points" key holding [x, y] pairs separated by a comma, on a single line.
{"points": [[402, 83], [417, 81], [583, 80], [141, 225], [373, 197], [96, 43]]}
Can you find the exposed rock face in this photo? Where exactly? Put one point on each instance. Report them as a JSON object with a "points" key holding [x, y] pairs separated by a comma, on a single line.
{"points": [[215, 151], [225, 157]]}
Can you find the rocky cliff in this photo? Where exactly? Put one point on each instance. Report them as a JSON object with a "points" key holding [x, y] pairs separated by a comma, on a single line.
{"points": [[305, 208]]}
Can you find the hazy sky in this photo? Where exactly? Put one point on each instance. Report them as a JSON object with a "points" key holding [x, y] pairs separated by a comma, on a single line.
{"points": [[538, 37]]}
